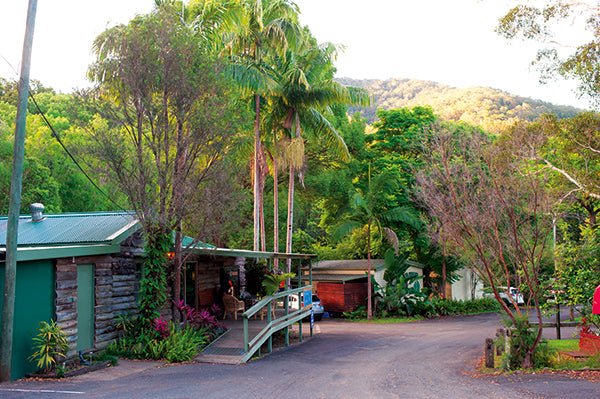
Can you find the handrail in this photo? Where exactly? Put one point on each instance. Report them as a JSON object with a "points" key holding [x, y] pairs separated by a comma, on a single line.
{"points": [[273, 327], [265, 301], [276, 324], [278, 321]]}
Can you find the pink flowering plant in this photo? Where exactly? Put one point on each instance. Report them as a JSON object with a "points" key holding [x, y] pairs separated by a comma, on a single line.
{"points": [[205, 318], [161, 327]]}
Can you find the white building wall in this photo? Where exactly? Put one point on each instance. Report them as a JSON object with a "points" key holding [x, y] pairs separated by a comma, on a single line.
{"points": [[378, 275], [468, 285]]}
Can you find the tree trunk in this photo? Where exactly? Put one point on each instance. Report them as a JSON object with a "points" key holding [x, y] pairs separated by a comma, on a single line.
{"points": [[263, 236], [275, 212], [176, 275], [290, 215], [369, 294], [444, 278], [290, 218], [256, 212]]}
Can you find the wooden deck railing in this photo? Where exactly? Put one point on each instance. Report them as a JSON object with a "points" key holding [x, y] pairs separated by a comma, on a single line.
{"points": [[274, 324]]}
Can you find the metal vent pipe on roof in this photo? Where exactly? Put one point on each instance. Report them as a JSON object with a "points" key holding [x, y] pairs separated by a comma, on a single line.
{"points": [[37, 212]]}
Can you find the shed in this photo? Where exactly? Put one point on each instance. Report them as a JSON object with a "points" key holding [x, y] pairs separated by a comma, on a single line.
{"points": [[342, 284], [70, 268]]}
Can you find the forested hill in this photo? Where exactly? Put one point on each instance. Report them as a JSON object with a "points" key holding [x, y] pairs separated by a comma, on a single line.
{"points": [[489, 108]]}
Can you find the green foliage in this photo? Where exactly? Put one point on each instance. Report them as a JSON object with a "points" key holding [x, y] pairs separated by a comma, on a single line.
{"points": [[50, 345], [450, 307], [182, 345], [357, 314], [104, 356], [272, 282], [578, 267], [153, 286], [403, 294], [124, 323], [523, 353], [556, 25], [178, 344]]}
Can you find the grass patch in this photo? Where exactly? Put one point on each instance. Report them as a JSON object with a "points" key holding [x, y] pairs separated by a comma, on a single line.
{"points": [[563, 345], [560, 362]]}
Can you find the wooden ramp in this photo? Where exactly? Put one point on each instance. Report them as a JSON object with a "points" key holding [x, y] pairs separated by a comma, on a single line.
{"points": [[229, 347]]}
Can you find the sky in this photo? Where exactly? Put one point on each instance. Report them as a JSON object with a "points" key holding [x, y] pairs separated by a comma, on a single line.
{"points": [[450, 42]]}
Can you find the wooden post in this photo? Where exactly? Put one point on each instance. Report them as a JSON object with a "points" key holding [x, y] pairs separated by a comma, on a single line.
{"points": [[269, 320], [10, 272], [489, 353], [246, 340], [500, 334], [558, 321]]}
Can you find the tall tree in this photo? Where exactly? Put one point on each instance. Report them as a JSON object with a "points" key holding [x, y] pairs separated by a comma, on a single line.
{"points": [[493, 212], [303, 99], [265, 26], [164, 120], [568, 151], [551, 23], [368, 211]]}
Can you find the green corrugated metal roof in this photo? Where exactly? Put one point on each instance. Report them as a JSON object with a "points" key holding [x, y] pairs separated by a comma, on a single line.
{"points": [[72, 228], [188, 243]]}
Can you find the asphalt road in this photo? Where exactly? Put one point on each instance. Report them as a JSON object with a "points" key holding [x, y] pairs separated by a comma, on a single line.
{"points": [[428, 359]]}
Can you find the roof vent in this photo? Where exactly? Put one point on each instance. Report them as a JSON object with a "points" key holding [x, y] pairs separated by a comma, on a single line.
{"points": [[37, 212]]}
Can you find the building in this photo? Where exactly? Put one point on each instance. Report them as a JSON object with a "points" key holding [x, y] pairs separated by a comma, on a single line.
{"points": [[70, 268]]}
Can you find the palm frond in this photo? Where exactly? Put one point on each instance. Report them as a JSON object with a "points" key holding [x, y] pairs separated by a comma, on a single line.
{"points": [[343, 229], [252, 77], [404, 214], [322, 128]]}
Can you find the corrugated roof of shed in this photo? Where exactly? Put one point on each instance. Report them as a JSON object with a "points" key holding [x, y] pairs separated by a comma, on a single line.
{"points": [[70, 228], [354, 264]]}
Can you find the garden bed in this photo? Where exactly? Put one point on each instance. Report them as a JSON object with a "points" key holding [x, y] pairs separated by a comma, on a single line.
{"points": [[73, 371]]}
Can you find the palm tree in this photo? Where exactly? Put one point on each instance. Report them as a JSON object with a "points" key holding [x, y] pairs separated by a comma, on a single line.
{"points": [[264, 25], [302, 101], [368, 210]]}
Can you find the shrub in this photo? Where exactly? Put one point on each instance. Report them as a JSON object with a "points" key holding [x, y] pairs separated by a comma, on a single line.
{"points": [[168, 341], [359, 313], [182, 345], [50, 344], [448, 307], [522, 339]]}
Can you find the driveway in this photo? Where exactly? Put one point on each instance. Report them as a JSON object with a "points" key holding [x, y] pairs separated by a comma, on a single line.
{"points": [[428, 359]]}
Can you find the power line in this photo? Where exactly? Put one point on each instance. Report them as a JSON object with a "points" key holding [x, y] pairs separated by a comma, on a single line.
{"points": [[58, 139]]}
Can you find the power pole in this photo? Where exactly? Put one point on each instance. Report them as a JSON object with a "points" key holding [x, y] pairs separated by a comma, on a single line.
{"points": [[10, 272]]}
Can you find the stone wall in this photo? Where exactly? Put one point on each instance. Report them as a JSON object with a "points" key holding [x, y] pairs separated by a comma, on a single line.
{"points": [[66, 301], [116, 283]]}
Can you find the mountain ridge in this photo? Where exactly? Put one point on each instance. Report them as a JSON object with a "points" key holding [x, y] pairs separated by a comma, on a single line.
{"points": [[492, 109]]}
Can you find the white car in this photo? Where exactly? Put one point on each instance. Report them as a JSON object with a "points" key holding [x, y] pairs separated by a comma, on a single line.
{"points": [[316, 306], [514, 293]]}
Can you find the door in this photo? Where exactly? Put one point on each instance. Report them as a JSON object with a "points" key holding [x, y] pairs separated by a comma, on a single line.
{"points": [[190, 284], [85, 307], [34, 302]]}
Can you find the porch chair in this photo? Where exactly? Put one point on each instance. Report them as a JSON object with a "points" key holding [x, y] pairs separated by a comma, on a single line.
{"points": [[232, 305]]}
